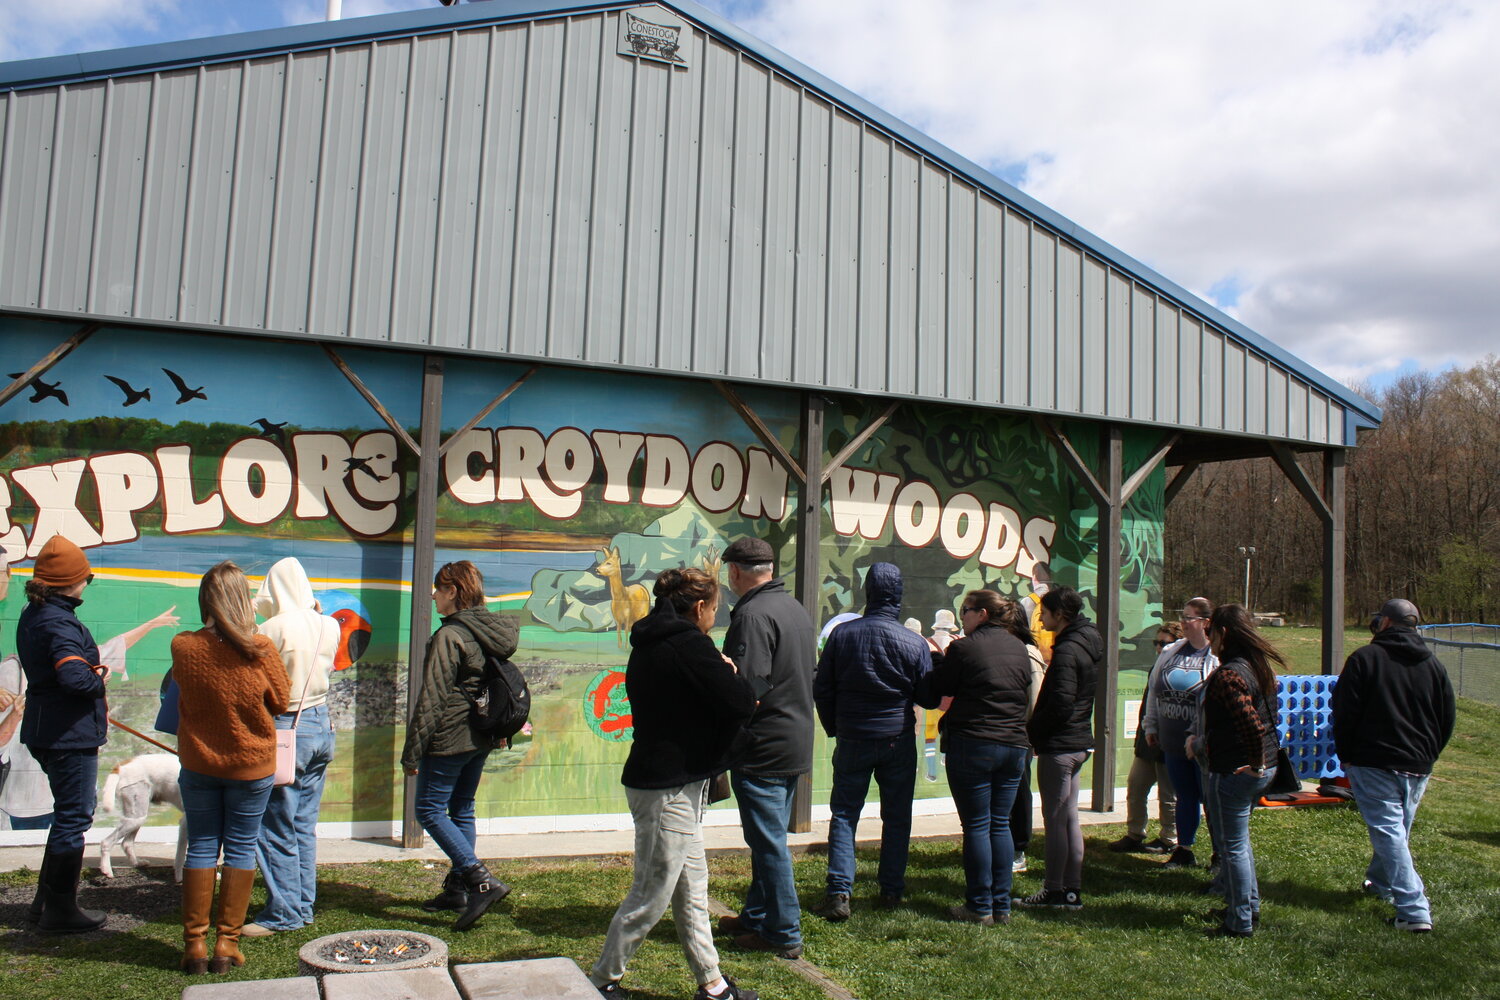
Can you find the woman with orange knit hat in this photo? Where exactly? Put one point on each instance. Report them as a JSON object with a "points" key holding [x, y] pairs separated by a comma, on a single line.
{"points": [[64, 723], [232, 685]]}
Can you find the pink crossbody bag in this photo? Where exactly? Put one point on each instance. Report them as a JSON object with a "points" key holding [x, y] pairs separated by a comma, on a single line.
{"points": [[286, 740]]}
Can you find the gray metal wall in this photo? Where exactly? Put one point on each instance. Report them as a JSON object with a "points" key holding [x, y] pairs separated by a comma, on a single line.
{"points": [[524, 190]]}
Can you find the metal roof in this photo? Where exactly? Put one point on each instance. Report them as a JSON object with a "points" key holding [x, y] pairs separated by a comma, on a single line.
{"points": [[495, 177]]}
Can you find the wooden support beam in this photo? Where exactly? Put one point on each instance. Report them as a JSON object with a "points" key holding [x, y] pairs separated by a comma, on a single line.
{"points": [[52, 357], [764, 433], [1293, 470], [1107, 605], [1073, 460], [1180, 480], [375, 405], [1139, 476], [809, 560], [424, 544], [466, 428], [1333, 561], [837, 462]]}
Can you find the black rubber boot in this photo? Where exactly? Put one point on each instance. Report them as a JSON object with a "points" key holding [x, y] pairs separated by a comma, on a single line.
{"points": [[35, 913], [484, 891], [453, 897], [60, 911]]}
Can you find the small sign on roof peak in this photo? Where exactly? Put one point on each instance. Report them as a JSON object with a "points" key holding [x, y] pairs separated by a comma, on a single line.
{"points": [[653, 32]]}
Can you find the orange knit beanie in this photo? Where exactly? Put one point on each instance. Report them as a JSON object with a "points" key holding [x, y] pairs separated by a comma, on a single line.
{"points": [[60, 563]]}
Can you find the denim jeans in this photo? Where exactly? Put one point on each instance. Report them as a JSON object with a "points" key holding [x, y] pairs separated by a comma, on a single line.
{"points": [[1057, 782], [1187, 783], [1388, 803], [1234, 797], [893, 762], [222, 812], [771, 907], [72, 775], [983, 777], [288, 846], [445, 803]]}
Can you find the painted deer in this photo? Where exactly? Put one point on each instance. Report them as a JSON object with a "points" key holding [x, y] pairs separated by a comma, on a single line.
{"points": [[628, 603]]}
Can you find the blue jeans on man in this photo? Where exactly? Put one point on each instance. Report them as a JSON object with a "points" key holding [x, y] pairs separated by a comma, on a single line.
{"points": [[892, 761], [771, 908], [1234, 797], [983, 777], [1388, 803], [445, 803], [222, 812], [71, 775], [288, 845]]}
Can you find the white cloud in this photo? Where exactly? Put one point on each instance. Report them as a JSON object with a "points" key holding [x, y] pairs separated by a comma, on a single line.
{"points": [[1335, 162]]}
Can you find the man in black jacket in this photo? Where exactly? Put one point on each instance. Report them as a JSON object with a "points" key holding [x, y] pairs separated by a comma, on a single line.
{"points": [[772, 641], [1393, 712], [872, 671]]}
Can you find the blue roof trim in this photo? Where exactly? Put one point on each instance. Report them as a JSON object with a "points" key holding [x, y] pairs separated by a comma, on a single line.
{"points": [[56, 70]]}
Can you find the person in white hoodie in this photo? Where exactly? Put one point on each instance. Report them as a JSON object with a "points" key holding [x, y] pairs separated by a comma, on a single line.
{"points": [[287, 851]]}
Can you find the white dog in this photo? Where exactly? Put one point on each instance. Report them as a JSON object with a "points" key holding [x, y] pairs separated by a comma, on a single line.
{"points": [[133, 787]]}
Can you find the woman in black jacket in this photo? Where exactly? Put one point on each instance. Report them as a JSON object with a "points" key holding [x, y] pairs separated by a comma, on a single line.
{"points": [[688, 703], [1062, 734], [988, 673]]}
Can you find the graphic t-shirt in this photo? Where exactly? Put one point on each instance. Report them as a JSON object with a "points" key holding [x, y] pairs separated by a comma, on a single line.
{"points": [[1179, 685]]}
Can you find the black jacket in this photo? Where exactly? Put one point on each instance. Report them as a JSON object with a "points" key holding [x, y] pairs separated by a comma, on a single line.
{"points": [[988, 673], [874, 668], [441, 722], [1063, 720], [1393, 705], [687, 705], [772, 640], [65, 707]]}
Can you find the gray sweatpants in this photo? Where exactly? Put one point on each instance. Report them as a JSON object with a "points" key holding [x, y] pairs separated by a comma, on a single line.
{"points": [[669, 868], [1057, 781]]}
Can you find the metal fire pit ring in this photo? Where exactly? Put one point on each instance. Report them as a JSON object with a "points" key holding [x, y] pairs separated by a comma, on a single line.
{"points": [[370, 951]]}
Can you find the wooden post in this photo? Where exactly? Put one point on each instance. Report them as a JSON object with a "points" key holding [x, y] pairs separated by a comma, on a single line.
{"points": [[809, 559], [424, 541], [1107, 605], [1333, 561]]}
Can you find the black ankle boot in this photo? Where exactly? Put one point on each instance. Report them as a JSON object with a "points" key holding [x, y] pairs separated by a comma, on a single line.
{"points": [[35, 913], [453, 897], [484, 891], [60, 911]]}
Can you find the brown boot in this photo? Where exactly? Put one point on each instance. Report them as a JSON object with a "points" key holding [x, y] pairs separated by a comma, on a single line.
{"points": [[234, 899], [197, 903]]}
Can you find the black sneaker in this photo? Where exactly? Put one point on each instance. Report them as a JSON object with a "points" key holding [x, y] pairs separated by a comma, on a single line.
{"points": [[732, 991], [1065, 899], [614, 991], [834, 908], [1128, 845], [1159, 846], [1182, 857], [1413, 926]]}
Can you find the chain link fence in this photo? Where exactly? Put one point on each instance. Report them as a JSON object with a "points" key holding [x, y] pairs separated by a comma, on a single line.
{"points": [[1471, 652]]}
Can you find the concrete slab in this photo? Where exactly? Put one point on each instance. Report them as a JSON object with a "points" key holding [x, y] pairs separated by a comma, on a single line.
{"points": [[528, 979], [404, 984], [297, 988]]}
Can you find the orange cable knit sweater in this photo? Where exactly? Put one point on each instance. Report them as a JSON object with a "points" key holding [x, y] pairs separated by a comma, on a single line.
{"points": [[227, 706]]}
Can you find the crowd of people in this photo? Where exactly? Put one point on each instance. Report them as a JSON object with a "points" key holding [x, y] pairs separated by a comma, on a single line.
{"points": [[1015, 688]]}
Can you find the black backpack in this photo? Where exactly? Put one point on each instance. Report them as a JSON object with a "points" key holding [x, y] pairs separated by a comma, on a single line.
{"points": [[503, 702]]}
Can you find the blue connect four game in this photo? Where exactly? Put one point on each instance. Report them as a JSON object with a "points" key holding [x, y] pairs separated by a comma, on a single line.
{"points": [[1306, 727]]}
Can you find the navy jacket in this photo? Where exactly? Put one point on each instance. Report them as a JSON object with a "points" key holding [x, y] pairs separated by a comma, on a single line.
{"points": [[65, 707], [1393, 706], [874, 668]]}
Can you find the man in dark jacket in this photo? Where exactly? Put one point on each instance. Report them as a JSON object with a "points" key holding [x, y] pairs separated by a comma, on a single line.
{"points": [[772, 641], [872, 671], [1393, 713]]}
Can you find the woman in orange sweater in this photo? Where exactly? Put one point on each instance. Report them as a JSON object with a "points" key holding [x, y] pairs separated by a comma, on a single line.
{"points": [[232, 685]]}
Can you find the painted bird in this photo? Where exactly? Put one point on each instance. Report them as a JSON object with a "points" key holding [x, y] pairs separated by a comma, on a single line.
{"points": [[44, 390], [270, 430], [132, 394], [354, 638], [356, 464], [184, 393]]}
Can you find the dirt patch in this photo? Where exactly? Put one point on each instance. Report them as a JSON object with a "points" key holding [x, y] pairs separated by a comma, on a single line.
{"points": [[135, 896]]}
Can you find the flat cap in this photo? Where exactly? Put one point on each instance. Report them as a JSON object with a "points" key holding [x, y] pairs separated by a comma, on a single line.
{"points": [[749, 552]]}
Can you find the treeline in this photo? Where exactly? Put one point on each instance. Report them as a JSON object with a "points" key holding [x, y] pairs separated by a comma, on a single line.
{"points": [[1423, 513]]}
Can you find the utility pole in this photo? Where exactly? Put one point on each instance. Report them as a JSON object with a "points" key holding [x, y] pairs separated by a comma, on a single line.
{"points": [[1248, 551]]}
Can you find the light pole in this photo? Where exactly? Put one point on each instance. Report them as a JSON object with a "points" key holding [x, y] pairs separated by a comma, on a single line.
{"points": [[1248, 551]]}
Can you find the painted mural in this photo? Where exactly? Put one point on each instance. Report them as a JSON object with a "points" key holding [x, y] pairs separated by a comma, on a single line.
{"points": [[161, 453]]}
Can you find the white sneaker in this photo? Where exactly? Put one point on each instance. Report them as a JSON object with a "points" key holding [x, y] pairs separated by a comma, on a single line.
{"points": [[1019, 865], [1414, 926]]}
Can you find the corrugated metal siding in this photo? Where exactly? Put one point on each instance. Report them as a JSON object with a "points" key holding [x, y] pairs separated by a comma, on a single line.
{"points": [[524, 190]]}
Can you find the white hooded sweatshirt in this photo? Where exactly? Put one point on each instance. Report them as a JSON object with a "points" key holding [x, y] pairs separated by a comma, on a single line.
{"points": [[306, 640]]}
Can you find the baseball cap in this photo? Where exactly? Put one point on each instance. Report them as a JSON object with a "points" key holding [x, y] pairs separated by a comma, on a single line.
{"points": [[1401, 612]]}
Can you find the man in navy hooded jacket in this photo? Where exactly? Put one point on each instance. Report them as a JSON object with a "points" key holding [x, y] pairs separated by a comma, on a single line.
{"points": [[872, 670]]}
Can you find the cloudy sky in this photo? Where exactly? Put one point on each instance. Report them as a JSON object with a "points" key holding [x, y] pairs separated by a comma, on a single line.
{"points": [[1328, 173]]}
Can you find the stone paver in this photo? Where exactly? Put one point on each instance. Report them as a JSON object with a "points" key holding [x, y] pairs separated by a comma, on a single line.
{"points": [[298, 988], [403, 984], [528, 979]]}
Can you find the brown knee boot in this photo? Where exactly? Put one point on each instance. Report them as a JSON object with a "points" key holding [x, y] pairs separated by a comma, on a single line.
{"points": [[234, 899], [197, 903]]}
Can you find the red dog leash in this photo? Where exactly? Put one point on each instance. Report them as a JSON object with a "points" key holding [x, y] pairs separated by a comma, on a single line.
{"points": [[133, 732]]}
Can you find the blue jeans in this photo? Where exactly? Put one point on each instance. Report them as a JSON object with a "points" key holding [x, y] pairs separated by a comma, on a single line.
{"points": [[893, 762], [445, 803], [222, 812], [1388, 803], [983, 777], [771, 908], [72, 775], [1186, 782], [1234, 797], [288, 846]]}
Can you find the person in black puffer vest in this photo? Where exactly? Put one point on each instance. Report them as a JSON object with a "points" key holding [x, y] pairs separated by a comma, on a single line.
{"points": [[1062, 735]]}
